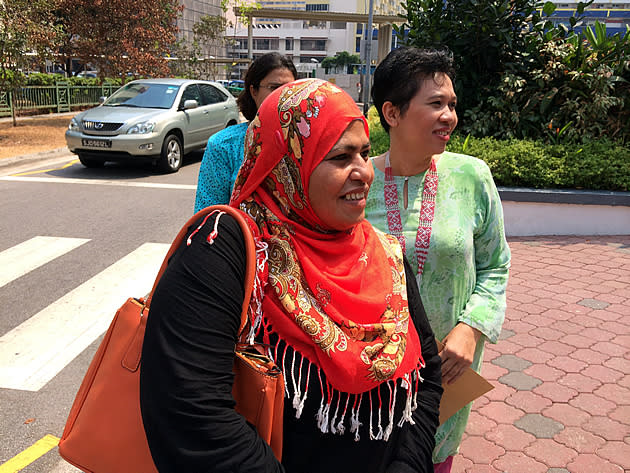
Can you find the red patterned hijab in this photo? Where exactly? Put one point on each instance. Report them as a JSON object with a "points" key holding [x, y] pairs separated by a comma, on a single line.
{"points": [[338, 298]]}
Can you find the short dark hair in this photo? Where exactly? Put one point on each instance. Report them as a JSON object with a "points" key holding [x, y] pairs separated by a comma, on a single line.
{"points": [[399, 76], [257, 71]]}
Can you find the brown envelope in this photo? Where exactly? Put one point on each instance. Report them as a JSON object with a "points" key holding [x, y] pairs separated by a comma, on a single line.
{"points": [[467, 388]]}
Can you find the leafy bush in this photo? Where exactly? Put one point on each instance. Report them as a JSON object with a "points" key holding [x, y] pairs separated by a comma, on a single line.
{"points": [[93, 81], [13, 77], [577, 91], [379, 139], [487, 38], [597, 165], [40, 78], [521, 76]]}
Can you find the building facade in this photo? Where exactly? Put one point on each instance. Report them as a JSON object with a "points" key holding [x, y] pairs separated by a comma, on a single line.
{"points": [[615, 14], [306, 42], [192, 13]]}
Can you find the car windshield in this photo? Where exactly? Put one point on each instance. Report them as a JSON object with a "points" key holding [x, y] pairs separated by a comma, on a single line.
{"points": [[145, 95]]}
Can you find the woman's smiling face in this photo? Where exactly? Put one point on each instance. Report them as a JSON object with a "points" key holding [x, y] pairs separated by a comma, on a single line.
{"points": [[428, 122], [339, 185]]}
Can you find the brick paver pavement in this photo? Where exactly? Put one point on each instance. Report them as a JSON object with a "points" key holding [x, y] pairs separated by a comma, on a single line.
{"points": [[561, 368]]}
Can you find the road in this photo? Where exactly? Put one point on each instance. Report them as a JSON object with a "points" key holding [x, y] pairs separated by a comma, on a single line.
{"points": [[74, 244]]}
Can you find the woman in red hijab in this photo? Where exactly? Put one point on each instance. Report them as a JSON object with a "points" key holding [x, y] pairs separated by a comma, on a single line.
{"points": [[361, 368]]}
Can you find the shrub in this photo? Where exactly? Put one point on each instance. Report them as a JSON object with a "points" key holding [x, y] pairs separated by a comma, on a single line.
{"points": [[39, 78], [597, 165], [521, 76], [379, 139], [487, 37], [43, 79], [575, 92]]}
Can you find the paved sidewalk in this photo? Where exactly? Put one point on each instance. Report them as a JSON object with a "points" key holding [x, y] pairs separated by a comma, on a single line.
{"points": [[561, 369]]}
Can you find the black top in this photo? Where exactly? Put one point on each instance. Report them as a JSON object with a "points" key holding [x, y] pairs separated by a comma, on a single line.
{"points": [[186, 380]]}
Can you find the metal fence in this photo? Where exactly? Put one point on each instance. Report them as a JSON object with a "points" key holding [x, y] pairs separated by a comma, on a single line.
{"points": [[61, 97]]}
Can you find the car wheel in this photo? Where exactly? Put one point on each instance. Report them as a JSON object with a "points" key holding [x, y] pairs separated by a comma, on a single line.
{"points": [[91, 162], [172, 153]]}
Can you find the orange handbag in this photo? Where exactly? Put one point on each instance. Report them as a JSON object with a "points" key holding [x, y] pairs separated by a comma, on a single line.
{"points": [[104, 431]]}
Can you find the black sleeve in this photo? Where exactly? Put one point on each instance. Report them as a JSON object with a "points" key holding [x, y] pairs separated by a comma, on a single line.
{"points": [[186, 373], [415, 449]]}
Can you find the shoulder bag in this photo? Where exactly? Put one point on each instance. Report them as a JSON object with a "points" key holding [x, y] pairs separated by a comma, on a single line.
{"points": [[104, 431]]}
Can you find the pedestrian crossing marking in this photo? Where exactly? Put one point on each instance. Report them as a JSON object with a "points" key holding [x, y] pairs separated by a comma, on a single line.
{"points": [[31, 254], [35, 351], [28, 456], [102, 182]]}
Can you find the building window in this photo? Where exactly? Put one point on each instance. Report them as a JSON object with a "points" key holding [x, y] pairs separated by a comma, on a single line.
{"points": [[266, 44], [235, 44], [288, 44], [337, 25], [313, 44], [314, 24], [311, 59], [317, 7]]}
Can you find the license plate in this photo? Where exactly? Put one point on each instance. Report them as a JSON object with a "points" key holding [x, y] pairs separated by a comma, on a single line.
{"points": [[96, 143]]}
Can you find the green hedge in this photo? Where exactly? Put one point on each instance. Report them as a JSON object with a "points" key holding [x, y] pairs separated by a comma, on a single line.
{"points": [[597, 165], [39, 78]]}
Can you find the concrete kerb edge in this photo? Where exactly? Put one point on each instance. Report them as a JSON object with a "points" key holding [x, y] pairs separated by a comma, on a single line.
{"points": [[564, 196], [34, 157]]}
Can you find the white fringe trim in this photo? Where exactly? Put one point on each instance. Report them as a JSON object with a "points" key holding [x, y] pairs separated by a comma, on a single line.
{"points": [[336, 424]]}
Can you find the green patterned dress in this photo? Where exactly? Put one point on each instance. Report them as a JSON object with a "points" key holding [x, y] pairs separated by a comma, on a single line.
{"points": [[466, 271]]}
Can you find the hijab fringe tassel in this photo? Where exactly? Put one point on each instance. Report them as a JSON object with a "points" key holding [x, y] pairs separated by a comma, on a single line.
{"points": [[380, 409]]}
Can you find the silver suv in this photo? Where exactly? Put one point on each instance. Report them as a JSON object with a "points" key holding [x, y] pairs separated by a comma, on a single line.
{"points": [[154, 119]]}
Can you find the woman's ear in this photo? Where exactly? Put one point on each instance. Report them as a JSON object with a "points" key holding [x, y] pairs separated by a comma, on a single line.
{"points": [[391, 113]]}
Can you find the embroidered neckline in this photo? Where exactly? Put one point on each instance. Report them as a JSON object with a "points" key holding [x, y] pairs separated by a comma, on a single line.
{"points": [[427, 210]]}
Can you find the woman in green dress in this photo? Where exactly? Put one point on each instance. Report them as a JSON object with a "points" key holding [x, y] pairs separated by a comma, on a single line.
{"points": [[445, 210]]}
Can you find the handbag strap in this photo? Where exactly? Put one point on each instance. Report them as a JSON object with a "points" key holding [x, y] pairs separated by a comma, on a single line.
{"points": [[250, 252]]}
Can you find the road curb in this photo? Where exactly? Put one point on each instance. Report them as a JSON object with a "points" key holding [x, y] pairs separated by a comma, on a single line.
{"points": [[34, 157]]}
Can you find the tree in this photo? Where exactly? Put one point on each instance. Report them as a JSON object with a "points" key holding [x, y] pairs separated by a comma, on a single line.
{"points": [[520, 75], [195, 59], [342, 60], [487, 37], [345, 60], [122, 36], [27, 30]]}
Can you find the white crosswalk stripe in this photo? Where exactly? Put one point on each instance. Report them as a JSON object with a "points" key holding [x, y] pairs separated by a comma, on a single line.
{"points": [[35, 351], [25, 257]]}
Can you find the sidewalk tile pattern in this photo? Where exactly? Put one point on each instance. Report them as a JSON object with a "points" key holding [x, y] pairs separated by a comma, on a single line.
{"points": [[561, 367]]}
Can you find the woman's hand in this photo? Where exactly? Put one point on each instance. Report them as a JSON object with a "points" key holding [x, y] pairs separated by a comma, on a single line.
{"points": [[458, 351]]}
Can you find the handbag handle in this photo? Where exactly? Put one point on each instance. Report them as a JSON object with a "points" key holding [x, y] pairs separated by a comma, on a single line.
{"points": [[250, 252]]}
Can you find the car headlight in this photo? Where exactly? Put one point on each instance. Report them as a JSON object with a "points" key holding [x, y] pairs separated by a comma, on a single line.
{"points": [[141, 128], [74, 125]]}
